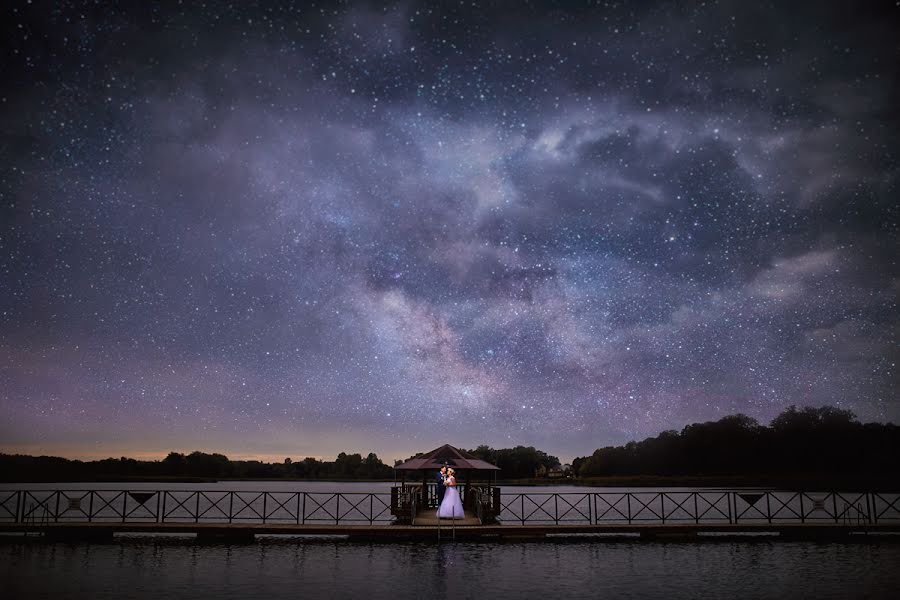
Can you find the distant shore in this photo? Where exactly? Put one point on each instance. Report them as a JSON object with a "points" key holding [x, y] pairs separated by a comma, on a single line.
{"points": [[800, 481]]}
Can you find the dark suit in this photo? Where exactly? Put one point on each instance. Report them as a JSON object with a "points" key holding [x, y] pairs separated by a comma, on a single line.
{"points": [[440, 488]]}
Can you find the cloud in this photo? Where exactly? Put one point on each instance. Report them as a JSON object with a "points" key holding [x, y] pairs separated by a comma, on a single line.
{"points": [[426, 351], [554, 223]]}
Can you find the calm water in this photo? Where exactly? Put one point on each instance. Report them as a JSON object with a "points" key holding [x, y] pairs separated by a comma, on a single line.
{"points": [[154, 569], [310, 486], [160, 567]]}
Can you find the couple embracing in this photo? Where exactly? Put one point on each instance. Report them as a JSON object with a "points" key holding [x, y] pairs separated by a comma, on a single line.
{"points": [[450, 505]]}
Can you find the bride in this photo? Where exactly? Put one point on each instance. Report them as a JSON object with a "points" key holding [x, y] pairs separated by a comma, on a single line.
{"points": [[451, 507]]}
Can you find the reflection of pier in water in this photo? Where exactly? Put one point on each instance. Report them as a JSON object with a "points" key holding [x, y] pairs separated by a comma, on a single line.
{"points": [[240, 515]]}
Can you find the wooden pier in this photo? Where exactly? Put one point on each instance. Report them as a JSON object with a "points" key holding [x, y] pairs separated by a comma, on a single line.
{"points": [[430, 519], [241, 516], [247, 532]]}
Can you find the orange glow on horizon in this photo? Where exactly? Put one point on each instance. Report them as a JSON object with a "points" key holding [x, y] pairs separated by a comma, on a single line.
{"points": [[147, 455]]}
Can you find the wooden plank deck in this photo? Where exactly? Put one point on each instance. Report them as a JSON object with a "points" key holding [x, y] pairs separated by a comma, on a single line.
{"points": [[237, 532], [428, 518]]}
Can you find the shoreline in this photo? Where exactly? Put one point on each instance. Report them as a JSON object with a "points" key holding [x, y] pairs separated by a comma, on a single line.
{"points": [[799, 481]]}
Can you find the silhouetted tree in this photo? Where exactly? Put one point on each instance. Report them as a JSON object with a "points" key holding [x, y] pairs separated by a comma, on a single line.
{"points": [[824, 440], [516, 463], [174, 463]]}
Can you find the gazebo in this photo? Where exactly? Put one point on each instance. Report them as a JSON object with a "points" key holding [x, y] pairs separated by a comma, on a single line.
{"points": [[477, 479]]}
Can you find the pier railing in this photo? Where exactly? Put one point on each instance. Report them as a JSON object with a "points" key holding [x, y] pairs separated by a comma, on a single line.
{"points": [[711, 506], [347, 508], [174, 506]]}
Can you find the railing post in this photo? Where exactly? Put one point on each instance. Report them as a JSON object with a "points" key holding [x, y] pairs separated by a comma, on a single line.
{"points": [[19, 507], [866, 508]]}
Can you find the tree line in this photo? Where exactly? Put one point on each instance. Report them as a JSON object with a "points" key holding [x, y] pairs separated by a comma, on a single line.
{"points": [[806, 441], [196, 465], [819, 442], [521, 462]]}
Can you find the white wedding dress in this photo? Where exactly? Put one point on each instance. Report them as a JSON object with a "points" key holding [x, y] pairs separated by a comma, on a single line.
{"points": [[451, 507]]}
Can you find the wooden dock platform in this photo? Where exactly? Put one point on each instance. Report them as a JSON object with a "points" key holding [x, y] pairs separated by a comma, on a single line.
{"points": [[240, 516], [429, 518], [246, 532]]}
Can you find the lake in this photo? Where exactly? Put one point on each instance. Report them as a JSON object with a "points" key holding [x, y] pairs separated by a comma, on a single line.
{"points": [[312, 486], [155, 568], [274, 567]]}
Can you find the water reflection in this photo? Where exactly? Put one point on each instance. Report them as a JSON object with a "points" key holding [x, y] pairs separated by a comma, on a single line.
{"points": [[156, 568]]}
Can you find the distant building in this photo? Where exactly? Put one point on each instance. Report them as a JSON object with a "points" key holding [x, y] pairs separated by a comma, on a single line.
{"points": [[556, 473], [552, 472]]}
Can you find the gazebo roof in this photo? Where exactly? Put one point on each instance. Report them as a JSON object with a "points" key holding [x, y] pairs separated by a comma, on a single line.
{"points": [[446, 455]]}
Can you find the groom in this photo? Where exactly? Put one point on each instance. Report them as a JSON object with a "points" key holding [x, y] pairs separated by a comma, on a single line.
{"points": [[441, 476]]}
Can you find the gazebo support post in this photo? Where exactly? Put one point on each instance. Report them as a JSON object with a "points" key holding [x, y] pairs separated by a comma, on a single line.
{"points": [[465, 489]]}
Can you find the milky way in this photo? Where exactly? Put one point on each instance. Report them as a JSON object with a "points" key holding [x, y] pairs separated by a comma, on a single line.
{"points": [[273, 230]]}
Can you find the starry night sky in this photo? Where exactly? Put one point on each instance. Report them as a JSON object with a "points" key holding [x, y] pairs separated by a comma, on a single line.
{"points": [[272, 230]]}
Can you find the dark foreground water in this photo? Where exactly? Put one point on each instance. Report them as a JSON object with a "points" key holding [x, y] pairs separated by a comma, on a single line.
{"points": [[156, 568]]}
